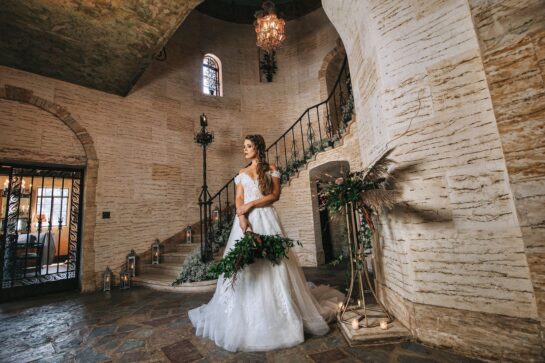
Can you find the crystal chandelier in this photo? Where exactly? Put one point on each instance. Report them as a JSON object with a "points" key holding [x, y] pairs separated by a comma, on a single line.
{"points": [[269, 28]]}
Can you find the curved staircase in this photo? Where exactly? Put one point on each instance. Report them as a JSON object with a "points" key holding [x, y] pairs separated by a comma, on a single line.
{"points": [[324, 126]]}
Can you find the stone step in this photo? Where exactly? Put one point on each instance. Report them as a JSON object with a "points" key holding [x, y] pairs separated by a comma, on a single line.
{"points": [[187, 247], [168, 269], [174, 257], [152, 279], [164, 283]]}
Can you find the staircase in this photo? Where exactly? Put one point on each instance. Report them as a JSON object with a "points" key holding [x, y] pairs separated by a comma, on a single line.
{"points": [[161, 276], [320, 128]]}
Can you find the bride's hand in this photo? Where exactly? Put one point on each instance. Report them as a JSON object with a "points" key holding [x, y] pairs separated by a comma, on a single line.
{"points": [[245, 208], [244, 224]]}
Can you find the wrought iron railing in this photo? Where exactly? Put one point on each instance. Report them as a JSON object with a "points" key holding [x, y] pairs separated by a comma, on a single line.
{"points": [[319, 127]]}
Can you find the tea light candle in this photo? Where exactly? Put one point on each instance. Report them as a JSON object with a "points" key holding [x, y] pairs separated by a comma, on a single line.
{"points": [[384, 324], [355, 324]]}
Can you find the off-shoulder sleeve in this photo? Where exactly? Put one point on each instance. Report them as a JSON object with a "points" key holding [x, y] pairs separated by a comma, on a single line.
{"points": [[237, 179], [275, 173]]}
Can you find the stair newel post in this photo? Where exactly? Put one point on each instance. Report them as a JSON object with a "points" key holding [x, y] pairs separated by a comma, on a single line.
{"points": [[205, 138]]}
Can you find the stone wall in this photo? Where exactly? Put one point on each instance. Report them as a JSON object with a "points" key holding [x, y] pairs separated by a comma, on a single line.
{"points": [[455, 245], [149, 176], [511, 36]]}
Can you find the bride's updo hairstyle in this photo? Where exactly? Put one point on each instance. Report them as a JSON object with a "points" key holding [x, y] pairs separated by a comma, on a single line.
{"points": [[265, 182]]}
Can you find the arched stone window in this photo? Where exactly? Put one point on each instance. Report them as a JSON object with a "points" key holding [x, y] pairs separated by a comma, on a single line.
{"points": [[211, 75]]}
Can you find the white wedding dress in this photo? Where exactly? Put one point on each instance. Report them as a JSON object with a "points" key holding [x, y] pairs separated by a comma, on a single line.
{"points": [[270, 305]]}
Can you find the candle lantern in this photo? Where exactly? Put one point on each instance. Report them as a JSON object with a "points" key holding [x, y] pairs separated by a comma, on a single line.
{"points": [[189, 235], [124, 280], [155, 249], [131, 263], [107, 279], [216, 214], [355, 324]]}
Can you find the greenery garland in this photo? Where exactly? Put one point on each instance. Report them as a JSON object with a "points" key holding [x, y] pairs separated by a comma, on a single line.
{"points": [[248, 249]]}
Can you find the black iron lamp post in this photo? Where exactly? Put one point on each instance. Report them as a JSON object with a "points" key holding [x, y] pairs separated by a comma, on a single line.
{"points": [[205, 138]]}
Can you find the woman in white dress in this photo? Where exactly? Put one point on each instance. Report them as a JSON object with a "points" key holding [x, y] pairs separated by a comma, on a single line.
{"points": [[269, 306]]}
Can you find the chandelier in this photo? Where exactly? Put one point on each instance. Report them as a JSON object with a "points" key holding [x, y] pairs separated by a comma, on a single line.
{"points": [[269, 28]]}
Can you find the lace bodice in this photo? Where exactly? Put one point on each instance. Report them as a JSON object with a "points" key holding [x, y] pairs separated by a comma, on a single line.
{"points": [[251, 186]]}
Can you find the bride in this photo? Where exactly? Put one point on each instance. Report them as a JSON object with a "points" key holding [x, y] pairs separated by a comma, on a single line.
{"points": [[269, 306]]}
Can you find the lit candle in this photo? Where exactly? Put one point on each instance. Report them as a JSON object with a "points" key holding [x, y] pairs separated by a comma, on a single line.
{"points": [[355, 324], [359, 302], [383, 324], [341, 306]]}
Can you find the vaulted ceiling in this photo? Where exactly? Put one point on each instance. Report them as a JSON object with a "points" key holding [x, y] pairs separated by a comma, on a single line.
{"points": [[107, 44], [101, 44]]}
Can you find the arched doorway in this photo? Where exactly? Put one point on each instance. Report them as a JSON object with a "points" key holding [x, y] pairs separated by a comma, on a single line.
{"points": [[45, 162], [331, 239]]}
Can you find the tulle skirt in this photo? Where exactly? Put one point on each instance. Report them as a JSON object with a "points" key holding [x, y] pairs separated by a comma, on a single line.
{"points": [[269, 306]]}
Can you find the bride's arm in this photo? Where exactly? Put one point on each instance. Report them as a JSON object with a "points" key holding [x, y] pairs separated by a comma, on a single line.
{"points": [[239, 201]]}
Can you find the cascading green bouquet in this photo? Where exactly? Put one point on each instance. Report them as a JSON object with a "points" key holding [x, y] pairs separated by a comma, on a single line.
{"points": [[248, 249]]}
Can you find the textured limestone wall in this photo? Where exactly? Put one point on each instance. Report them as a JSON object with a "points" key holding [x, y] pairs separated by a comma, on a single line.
{"points": [[150, 170], [511, 36], [36, 136], [456, 243]]}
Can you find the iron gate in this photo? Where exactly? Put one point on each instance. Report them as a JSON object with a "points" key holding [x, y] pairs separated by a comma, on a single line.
{"points": [[41, 229]]}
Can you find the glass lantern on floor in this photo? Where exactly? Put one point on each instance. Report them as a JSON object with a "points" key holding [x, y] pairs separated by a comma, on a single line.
{"points": [[155, 252], [107, 279], [131, 263], [124, 280], [188, 235]]}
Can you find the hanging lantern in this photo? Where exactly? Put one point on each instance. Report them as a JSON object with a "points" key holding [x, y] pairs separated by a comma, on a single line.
{"points": [[107, 279], [269, 28], [131, 263], [216, 214], [188, 235], [155, 252], [124, 280]]}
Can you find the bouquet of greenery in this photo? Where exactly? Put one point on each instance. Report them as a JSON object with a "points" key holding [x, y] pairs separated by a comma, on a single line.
{"points": [[250, 248]]}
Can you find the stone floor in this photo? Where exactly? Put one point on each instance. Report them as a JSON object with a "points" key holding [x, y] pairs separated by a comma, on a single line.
{"points": [[141, 325]]}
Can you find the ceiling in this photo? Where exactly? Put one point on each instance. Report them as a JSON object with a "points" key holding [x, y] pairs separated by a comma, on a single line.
{"points": [[101, 44], [107, 44], [242, 11]]}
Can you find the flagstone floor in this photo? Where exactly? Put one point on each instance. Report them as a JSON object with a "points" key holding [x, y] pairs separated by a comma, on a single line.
{"points": [[141, 325]]}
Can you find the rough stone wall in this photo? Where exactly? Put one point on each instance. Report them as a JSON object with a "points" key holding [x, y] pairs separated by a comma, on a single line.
{"points": [[36, 136], [150, 171], [298, 204], [512, 41], [456, 244]]}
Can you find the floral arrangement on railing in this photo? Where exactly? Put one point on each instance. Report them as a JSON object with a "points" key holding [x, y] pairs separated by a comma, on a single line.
{"points": [[247, 250]]}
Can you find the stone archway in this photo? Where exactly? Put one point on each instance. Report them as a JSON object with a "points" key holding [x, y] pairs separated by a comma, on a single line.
{"points": [[87, 272], [335, 56]]}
